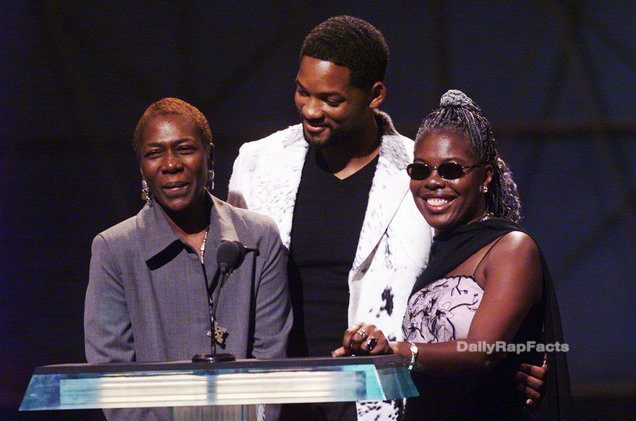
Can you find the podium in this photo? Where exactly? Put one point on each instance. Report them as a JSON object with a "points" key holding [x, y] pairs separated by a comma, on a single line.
{"points": [[242, 382]]}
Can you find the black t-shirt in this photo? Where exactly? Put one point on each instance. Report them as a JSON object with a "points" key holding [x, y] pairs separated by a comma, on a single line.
{"points": [[328, 217]]}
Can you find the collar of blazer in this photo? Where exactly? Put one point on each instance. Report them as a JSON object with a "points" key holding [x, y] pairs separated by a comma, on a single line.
{"points": [[157, 237]]}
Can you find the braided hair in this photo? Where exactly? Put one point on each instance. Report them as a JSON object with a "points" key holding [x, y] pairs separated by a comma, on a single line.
{"points": [[458, 112]]}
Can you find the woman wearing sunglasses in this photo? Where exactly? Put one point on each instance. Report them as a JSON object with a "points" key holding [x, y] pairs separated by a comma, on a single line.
{"points": [[485, 299]]}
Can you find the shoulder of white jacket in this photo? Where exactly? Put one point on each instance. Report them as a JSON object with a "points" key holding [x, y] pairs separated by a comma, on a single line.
{"points": [[275, 140], [397, 150]]}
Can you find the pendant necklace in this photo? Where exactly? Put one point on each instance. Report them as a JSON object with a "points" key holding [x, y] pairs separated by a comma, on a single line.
{"points": [[205, 239]]}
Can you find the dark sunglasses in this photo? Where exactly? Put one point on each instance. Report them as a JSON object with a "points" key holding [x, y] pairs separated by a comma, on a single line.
{"points": [[446, 170]]}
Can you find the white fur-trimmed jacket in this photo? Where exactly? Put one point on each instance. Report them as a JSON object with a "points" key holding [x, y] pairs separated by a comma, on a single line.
{"points": [[394, 241]]}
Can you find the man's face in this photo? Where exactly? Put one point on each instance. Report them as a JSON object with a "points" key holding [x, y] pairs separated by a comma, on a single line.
{"points": [[332, 110]]}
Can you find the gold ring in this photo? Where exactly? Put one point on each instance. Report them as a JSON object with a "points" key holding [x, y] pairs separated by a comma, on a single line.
{"points": [[362, 333]]}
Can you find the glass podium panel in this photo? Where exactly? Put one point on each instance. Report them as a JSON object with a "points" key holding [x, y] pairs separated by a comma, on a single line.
{"points": [[243, 382]]}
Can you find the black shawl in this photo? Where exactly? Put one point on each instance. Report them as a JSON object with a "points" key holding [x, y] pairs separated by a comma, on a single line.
{"points": [[452, 248]]}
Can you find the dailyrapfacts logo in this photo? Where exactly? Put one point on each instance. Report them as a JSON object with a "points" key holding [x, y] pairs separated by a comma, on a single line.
{"points": [[517, 348]]}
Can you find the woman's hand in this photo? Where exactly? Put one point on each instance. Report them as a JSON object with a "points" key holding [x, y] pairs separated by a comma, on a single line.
{"points": [[363, 339]]}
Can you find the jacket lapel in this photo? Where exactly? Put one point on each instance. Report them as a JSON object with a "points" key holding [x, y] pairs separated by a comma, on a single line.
{"points": [[281, 183], [155, 233], [221, 223], [157, 236], [389, 188]]}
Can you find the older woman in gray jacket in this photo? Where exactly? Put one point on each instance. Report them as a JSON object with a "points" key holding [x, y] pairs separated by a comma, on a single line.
{"points": [[151, 276]]}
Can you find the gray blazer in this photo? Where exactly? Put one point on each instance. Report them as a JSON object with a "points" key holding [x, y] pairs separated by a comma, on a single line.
{"points": [[147, 301]]}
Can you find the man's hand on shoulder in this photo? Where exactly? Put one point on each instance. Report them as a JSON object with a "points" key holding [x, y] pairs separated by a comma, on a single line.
{"points": [[531, 382]]}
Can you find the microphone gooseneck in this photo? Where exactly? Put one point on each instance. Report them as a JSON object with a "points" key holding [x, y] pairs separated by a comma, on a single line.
{"points": [[229, 257]]}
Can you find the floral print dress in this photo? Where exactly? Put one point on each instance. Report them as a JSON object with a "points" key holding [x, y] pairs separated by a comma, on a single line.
{"points": [[443, 310]]}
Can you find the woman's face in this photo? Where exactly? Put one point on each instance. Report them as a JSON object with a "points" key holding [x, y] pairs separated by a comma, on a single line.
{"points": [[447, 204], [174, 161]]}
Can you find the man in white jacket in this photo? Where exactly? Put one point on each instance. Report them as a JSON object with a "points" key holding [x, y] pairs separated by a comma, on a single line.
{"points": [[336, 186]]}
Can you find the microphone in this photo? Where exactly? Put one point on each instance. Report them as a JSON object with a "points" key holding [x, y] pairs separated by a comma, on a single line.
{"points": [[229, 256]]}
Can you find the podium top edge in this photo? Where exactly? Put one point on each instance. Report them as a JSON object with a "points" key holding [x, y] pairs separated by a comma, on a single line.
{"points": [[304, 363]]}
